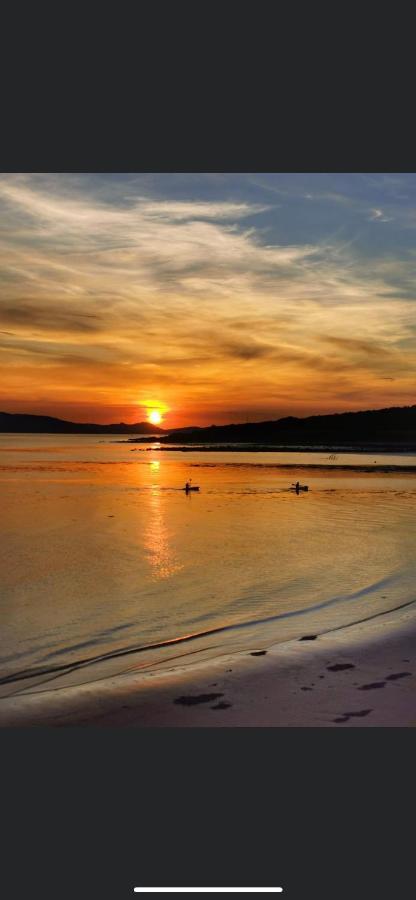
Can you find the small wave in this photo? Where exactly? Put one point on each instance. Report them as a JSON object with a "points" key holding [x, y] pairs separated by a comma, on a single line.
{"points": [[65, 668]]}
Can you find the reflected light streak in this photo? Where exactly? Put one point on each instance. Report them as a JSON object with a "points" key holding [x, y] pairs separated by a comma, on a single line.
{"points": [[157, 536]]}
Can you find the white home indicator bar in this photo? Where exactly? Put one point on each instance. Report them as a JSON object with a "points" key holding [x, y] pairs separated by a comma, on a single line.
{"points": [[208, 890]]}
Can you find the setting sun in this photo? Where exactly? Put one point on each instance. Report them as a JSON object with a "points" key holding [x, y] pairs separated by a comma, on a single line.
{"points": [[154, 416]]}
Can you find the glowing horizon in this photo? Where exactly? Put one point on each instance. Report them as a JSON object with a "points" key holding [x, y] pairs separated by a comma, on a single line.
{"points": [[206, 298]]}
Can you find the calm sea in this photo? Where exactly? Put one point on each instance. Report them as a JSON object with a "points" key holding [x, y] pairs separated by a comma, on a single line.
{"points": [[107, 566]]}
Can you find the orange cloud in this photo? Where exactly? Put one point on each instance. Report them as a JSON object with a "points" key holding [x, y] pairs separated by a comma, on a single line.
{"points": [[105, 304]]}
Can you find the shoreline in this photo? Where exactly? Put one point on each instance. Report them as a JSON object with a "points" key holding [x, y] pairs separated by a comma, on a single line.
{"points": [[242, 447], [358, 675]]}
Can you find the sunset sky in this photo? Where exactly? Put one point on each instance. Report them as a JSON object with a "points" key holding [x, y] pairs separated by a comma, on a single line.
{"points": [[209, 298]]}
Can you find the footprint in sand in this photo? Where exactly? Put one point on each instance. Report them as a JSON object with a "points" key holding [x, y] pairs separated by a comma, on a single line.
{"points": [[397, 675], [193, 700], [373, 686], [258, 653], [309, 637], [340, 667], [221, 705], [348, 715]]}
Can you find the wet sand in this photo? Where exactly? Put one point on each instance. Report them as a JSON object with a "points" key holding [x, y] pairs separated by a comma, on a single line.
{"points": [[362, 675]]}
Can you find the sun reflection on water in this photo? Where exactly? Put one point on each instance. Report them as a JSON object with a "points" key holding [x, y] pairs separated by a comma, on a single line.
{"points": [[157, 538]]}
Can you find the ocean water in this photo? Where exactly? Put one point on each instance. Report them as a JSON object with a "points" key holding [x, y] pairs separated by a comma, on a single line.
{"points": [[107, 566]]}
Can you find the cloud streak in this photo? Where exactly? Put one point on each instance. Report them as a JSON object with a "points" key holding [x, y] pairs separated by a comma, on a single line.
{"points": [[194, 302]]}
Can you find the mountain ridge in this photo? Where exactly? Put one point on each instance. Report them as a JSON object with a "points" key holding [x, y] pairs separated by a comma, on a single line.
{"points": [[395, 425], [31, 424]]}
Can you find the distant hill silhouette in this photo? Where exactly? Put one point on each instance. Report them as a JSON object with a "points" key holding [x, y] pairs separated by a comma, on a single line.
{"points": [[392, 427], [16, 422], [395, 426]]}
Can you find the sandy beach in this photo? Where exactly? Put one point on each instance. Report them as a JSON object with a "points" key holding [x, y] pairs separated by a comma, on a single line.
{"points": [[363, 675]]}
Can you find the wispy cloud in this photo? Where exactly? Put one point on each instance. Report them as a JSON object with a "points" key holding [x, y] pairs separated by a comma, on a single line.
{"points": [[377, 215], [131, 295]]}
